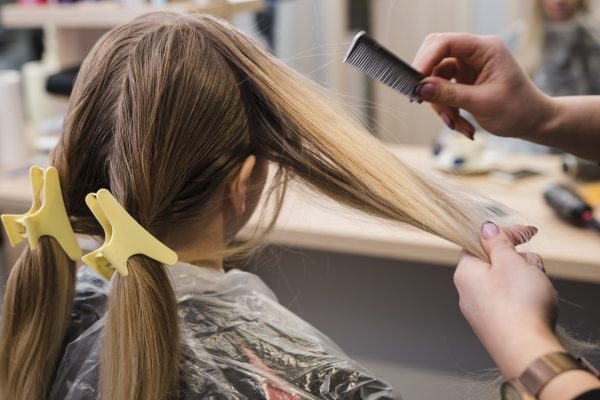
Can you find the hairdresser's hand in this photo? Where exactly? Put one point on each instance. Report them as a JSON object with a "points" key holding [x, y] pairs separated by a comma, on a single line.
{"points": [[479, 74], [510, 303]]}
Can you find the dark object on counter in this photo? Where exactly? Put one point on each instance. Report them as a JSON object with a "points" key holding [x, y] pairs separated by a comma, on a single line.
{"points": [[62, 82], [569, 205], [578, 168]]}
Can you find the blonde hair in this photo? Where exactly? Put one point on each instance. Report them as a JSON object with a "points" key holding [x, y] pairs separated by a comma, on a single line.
{"points": [[532, 42], [36, 314], [163, 113]]}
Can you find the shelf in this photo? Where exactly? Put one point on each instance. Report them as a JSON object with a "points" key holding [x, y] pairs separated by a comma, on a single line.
{"points": [[107, 14]]}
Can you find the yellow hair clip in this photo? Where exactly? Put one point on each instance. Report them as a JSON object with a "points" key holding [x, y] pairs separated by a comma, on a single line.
{"points": [[124, 238], [47, 217]]}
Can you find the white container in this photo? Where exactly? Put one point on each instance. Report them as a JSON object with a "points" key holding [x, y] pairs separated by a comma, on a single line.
{"points": [[13, 138], [39, 104]]}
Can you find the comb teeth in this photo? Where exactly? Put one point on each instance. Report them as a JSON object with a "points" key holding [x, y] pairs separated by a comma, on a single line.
{"points": [[368, 56]]}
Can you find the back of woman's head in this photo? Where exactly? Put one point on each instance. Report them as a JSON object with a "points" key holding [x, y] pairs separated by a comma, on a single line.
{"points": [[156, 116], [164, 112]]}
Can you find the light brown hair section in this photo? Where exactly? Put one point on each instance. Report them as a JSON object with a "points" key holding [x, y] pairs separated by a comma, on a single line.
{"points": [[35, 317], [164, 111]]}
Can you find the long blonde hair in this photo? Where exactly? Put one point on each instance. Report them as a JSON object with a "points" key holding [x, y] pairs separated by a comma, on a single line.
{"points": [[163, 113], [532, 42]]}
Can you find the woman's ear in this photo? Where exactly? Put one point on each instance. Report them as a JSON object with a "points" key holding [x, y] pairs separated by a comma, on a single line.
{"points": [[238, 188]]}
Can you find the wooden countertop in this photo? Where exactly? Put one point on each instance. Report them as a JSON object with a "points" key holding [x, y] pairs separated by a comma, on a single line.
{"points": [[311, 221]]}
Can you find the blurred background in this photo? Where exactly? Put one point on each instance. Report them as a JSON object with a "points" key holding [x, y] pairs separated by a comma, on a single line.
{"points": [[309, 35], [396, 312]]}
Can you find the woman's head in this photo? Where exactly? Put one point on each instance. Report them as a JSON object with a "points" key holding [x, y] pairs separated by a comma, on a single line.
{"points": [[157, 116], [532, 41], [177, 115], [561, 10]]}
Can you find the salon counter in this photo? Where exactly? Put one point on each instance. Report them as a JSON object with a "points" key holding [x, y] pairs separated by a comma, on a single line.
{"points": [[310, 221]]}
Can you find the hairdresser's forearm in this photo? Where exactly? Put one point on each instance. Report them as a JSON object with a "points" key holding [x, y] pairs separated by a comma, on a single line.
{"points": [[574, 126]]}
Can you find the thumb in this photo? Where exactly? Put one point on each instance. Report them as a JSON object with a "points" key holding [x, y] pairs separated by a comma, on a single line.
{"points": [[441, 91], [498, 245]]}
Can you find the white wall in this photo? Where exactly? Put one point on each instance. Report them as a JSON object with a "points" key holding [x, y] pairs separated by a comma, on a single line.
{"points": [[312, 37]]}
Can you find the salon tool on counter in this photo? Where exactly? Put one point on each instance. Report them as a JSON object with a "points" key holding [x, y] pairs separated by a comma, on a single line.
{"points": [[510, 176], [570, 206], [456, 154], [62, 82], [371, 58], [580, 169]]}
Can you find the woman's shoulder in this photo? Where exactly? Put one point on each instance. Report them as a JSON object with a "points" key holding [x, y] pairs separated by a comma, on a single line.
{"points": [[237, 342], [591, 34], [238, 332]]}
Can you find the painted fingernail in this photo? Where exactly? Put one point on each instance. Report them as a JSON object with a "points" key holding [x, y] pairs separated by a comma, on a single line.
{"points": [[470, 133], [541, 267], [447, 120], [425, 91], [489, 230]]}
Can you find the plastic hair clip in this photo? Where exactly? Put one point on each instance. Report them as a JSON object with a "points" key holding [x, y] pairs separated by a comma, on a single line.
{"points": [[46, 217], [124, 238]]}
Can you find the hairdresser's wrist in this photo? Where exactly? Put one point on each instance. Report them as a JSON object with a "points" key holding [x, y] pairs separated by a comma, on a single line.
{"points": [[544, 119], [516, 358], [514, 354]]}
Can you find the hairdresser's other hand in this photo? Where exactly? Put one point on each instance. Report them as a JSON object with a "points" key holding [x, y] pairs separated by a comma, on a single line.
{"points": [[510, 303], [478, 74]]}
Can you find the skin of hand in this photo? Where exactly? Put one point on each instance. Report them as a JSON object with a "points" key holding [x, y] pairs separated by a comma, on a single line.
{"points": [[510, 303], [512, 307], [479, 75]]}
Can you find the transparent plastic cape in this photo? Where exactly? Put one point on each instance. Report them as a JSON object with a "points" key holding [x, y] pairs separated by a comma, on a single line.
{"points": [[238, 342]]}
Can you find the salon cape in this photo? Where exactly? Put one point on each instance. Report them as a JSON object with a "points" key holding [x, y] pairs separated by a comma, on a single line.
{"points": [[237, 341]]}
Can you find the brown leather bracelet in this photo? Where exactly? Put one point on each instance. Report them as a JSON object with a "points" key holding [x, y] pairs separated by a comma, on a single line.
{"points": [[541, 372], [545, 369]]}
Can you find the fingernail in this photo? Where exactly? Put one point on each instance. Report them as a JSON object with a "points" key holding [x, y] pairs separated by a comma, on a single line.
{"points": [[447, 120], [470, 133], [541, 266], [533, 230], [425, 91], [489, 230]]}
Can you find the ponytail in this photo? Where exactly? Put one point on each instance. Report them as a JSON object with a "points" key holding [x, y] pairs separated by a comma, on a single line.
{"points": [[140, 348], [36, 314], [39, 291]]}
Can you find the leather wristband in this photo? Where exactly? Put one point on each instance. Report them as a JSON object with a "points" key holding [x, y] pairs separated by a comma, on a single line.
{"points": [[544, 369]]}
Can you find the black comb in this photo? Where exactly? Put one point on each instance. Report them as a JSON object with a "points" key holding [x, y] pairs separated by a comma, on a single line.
{"points": [[368, 56]]}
